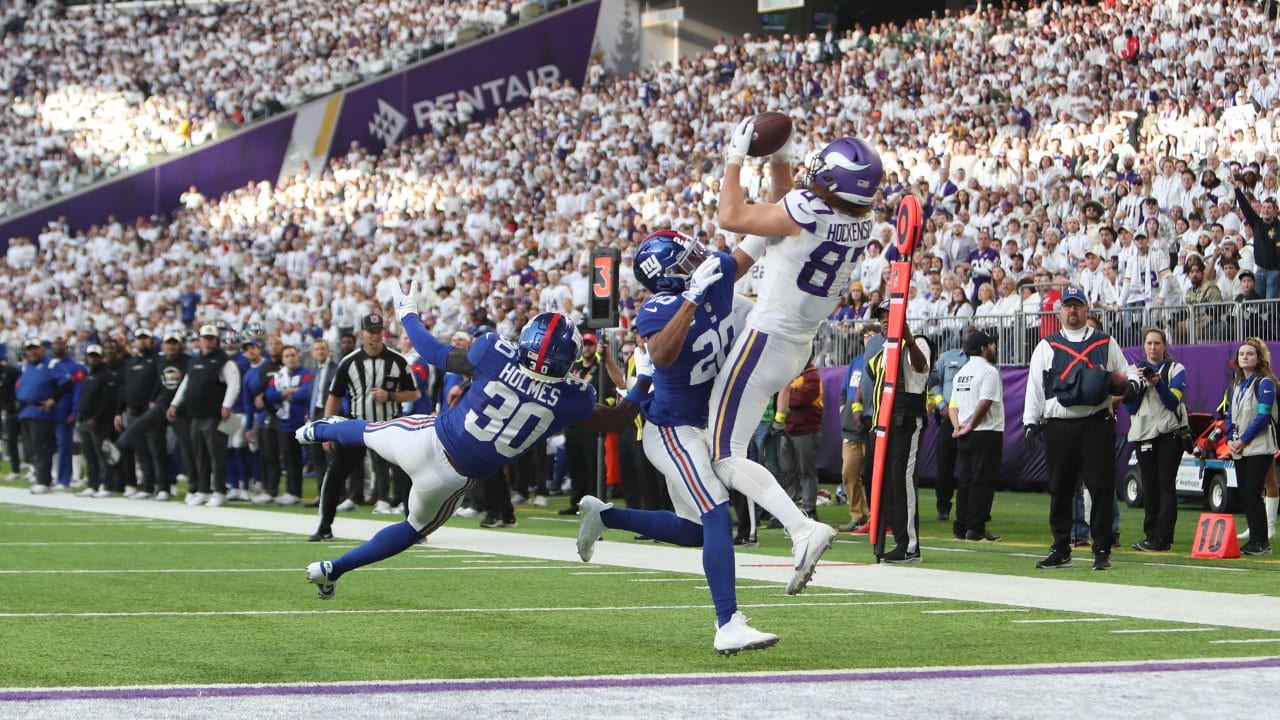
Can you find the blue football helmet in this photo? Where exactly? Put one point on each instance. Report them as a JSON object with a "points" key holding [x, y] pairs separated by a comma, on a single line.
{"points": [[666, 259], [549, 345], [849, 168]]}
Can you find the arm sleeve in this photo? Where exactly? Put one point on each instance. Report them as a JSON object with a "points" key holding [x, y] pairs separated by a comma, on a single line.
{"points": [[430, 348], [1266, 397], [752, 246], [1246, 208], [230, 376], [1171, 393], [1033, 405]]}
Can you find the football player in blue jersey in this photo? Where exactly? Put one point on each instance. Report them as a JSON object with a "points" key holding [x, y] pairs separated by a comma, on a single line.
{"points": [[688, 326], [520, 394]]}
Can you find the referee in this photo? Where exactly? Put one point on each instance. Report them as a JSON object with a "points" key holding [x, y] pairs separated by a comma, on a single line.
{"points": [[374, 380], [977, 418], [1072, 376]]}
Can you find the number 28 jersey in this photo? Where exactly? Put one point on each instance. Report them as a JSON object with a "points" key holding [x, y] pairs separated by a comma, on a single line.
{"points": [[682, 390], [506, 411], [806, 274]]}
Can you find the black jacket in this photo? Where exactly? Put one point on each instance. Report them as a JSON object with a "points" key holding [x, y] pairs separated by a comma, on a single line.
{"points": [[99, 395]]}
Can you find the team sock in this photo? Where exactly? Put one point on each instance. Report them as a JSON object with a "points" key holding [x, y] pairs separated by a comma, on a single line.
{"points": [[347, 432], [757, 483], [389, 541], [661, 525], [717, 561]]}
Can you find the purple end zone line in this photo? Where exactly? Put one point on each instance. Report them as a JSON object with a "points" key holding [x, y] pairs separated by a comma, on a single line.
{"points": [[145, 693]]}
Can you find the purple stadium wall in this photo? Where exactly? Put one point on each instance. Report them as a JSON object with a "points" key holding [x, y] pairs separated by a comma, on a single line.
{"points": [[496, 69], [1207, 381]]}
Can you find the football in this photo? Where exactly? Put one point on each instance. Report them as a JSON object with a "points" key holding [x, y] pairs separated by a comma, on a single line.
{"points": [[771, 132]]}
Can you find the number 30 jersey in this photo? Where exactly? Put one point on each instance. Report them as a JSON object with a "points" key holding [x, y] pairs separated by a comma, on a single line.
{"points": [[682, 390], [805, 275], [506, 411]]}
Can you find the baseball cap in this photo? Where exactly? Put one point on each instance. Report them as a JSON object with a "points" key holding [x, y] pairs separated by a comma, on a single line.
{"points": [[1074, 293], [884, 308], [976, 341], [250, 341], [1246, 273], [208, 331], [142, 333], [172, 337], [31, 342], [460, 335], [590, 338], [372, 322], [1093, 251], [94, 349]]}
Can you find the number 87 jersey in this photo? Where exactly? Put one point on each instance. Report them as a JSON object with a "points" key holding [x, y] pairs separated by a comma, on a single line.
{"points": [[805, 275]]}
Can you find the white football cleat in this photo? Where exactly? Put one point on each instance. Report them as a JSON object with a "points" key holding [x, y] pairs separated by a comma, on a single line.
{"points": [[592, 527], [163, 496], [382, 507], [346, 505], [306, 434], [318, 574], [288, 499], [807, 546], [737, 635], [39, 489], [216, 500]]}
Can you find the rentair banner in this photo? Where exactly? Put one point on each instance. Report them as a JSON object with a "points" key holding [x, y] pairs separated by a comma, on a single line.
{"points": [[498, 71], [492, 73]]}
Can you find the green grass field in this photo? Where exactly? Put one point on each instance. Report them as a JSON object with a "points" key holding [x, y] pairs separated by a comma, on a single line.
{"points": [[96, 599]]}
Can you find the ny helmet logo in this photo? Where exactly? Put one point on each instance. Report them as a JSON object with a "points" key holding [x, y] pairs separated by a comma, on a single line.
{"points": [[651, 266], [387, 124]]}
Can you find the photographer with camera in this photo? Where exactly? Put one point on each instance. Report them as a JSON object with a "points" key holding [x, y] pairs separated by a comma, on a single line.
{"points": [[1160, 434]]}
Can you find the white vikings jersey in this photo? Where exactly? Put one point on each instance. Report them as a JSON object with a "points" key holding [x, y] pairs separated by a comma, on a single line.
{"points": [[806, 274]]}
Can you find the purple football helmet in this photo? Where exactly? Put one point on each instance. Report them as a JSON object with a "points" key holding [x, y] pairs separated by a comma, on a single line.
{"points": [[850, 168]]}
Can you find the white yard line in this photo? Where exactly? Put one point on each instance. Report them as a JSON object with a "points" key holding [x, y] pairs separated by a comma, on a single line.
{"points": [[1057, 593], [411, 611]]}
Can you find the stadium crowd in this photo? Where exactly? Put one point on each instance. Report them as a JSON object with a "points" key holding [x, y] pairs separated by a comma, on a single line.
{"points": [[104, 88], [1096, 146]]}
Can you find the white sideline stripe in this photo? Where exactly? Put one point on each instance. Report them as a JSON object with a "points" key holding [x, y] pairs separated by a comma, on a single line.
{"points": [[1153, 631], [1248, 641], [418, 611], [116, 543], [1197, 567], [494, 562], [967, 612], [622, 572], [671, 580], [1051, 591], [945, 549], [1053, 621], [740, 587], [212, 571]]}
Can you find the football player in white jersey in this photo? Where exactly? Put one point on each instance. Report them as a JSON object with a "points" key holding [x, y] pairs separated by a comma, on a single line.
{"points": [[821, 227]]}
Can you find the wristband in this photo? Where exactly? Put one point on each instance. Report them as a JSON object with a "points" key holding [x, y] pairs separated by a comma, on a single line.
{"points": [[635, 395], [779, 417], [856, 407], [969, 426]]}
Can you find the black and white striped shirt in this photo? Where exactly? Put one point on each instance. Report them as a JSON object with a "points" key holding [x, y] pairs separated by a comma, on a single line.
{"points": [[359, 374]]}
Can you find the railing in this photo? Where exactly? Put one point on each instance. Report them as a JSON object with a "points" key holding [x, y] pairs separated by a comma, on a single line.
{"points": [[838, 342]]}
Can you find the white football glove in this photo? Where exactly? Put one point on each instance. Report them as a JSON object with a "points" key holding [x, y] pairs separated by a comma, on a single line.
{"points": [[406, 303], [738, 142], [703, 278], [644, 363]]}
